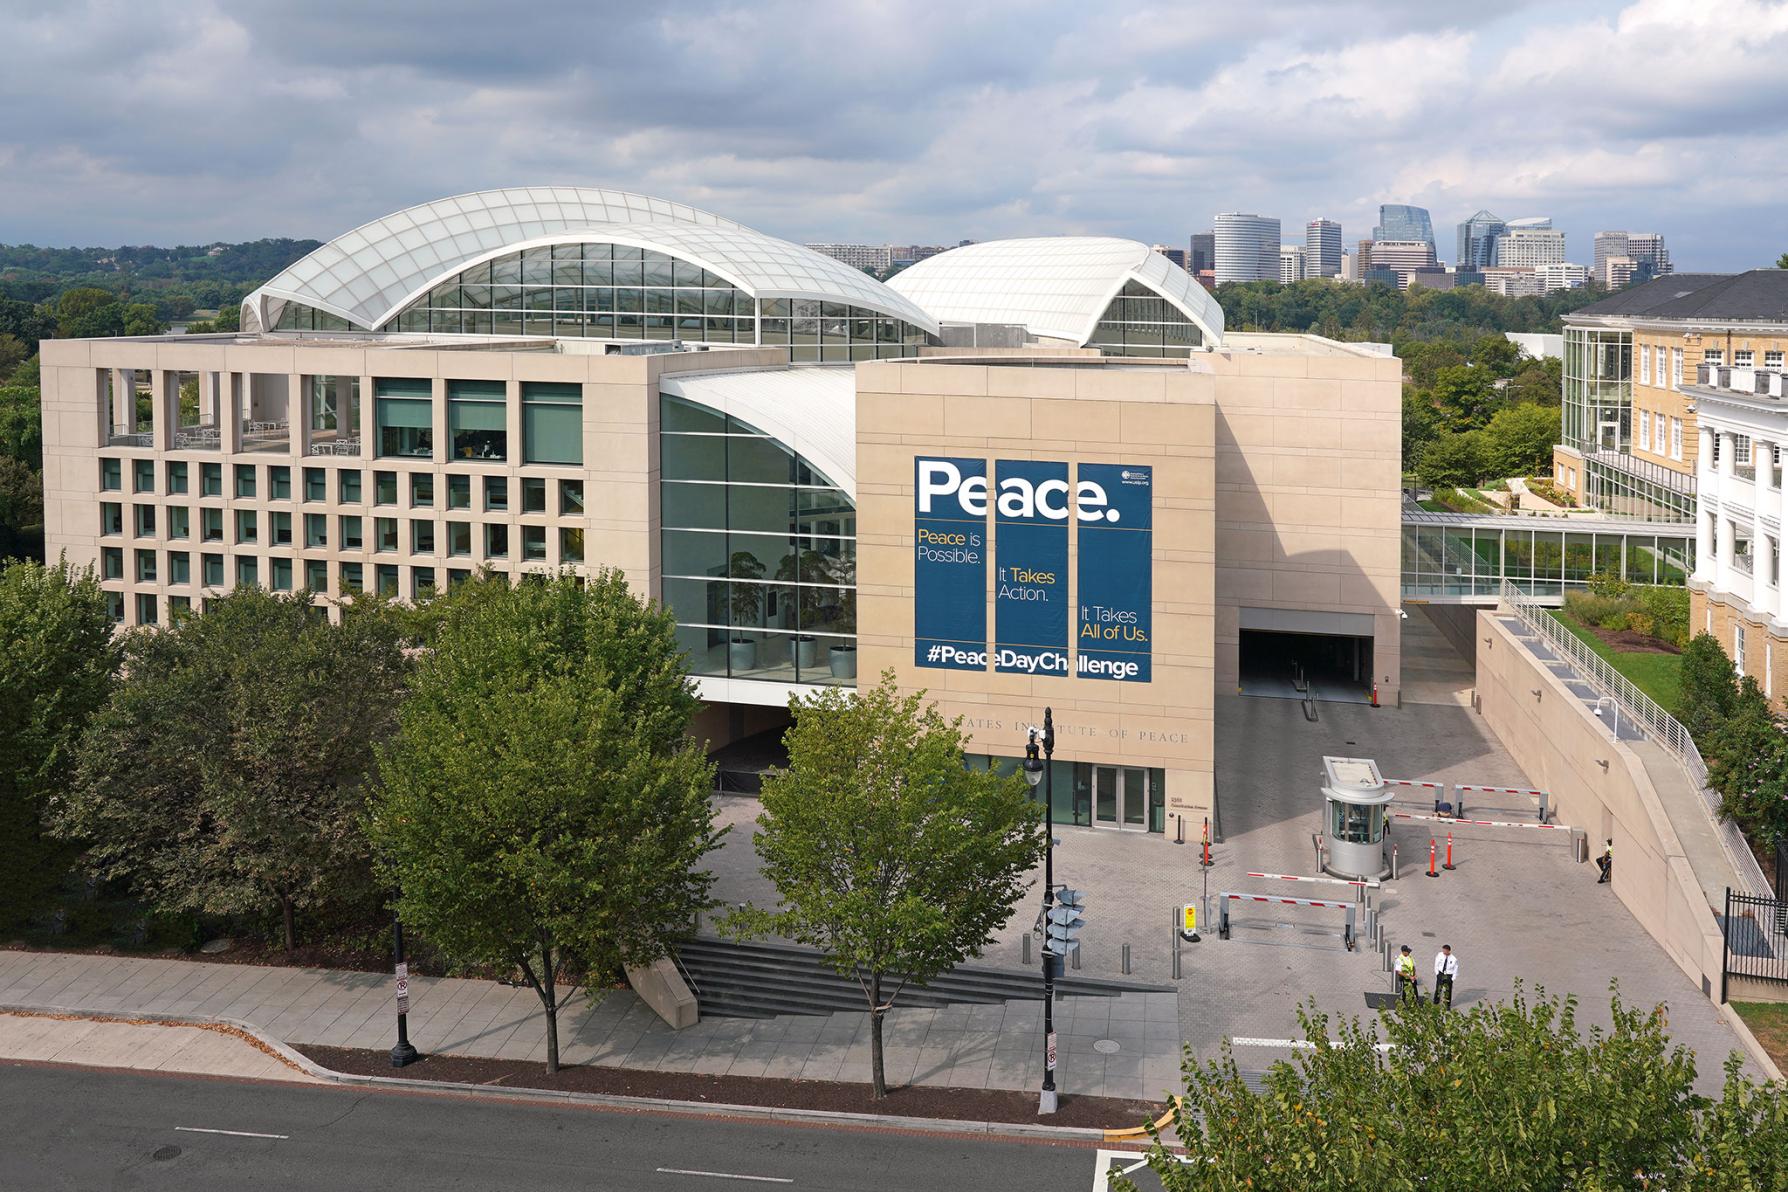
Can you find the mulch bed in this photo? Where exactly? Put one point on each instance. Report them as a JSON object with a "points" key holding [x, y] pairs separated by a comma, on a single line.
{"points": [[919, 1101], [1625, 641]]}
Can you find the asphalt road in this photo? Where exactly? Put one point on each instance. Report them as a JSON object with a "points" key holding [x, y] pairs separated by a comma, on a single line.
{"points": [[81, 1129]]}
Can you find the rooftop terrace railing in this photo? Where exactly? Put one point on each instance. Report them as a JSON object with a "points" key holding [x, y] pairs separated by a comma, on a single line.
{"points": [[1640, 709]]}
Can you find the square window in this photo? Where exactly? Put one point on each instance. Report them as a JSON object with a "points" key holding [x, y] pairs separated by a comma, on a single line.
{"points": [[533, 495], [422, 490], [316, 575], [279, 482], [143, 474], [211, 480], [111, 562], [459, 492], [282, 529], [352, 577], [178, 608], [111, 473], [144, 520], [316, 529], [571, 544], [316, 484], [496, 493], [386, 574], [384, 488], [211, 525], [111, 517], [179, 567], [384, 533], [145, 566], [214, 570], [115, 607], [348, 483], [496, 541], [247, 526], [279, 573], [571, 497], [422, 582], [350, 534], [248, 572], [176, 477], [145, 609], [457, 576], [422, 537], [459, 538], [179, 521], [533, 543], [245, 480]]}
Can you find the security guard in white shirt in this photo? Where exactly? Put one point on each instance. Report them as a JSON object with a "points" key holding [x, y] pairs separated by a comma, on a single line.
{"points": [[1446, 967]]}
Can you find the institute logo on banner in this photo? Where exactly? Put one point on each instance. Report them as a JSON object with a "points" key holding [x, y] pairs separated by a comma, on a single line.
{"points": [[950, 563], [1105, 634]]}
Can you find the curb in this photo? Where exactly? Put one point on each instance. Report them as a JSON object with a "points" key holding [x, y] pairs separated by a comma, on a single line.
{"points": [[1077, 1134]]}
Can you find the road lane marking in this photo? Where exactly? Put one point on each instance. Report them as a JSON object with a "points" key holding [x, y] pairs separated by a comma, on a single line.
{"points": [[726, 1175], [231, 1133]]}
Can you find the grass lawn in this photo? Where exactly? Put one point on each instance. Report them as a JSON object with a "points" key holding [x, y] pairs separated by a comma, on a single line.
{"points": [[1658, 675], [1770, 1024]]}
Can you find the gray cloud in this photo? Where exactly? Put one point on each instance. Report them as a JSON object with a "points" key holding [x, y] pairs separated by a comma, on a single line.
{"points": [[156, 121]]}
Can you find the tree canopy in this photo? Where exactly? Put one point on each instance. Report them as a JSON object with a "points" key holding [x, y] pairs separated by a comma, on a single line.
{"points": [[888, 853], [542, 807]]}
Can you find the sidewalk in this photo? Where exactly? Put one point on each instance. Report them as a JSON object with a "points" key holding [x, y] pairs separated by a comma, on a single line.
{"points": [[147, 1047], [1126, 1046]]}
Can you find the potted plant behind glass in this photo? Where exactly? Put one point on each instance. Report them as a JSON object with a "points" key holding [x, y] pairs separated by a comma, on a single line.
{"points": [[805, 567], [746, 601]]}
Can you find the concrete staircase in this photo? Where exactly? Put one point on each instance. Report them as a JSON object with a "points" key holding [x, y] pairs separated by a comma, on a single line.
{"points": [[761, 980]]}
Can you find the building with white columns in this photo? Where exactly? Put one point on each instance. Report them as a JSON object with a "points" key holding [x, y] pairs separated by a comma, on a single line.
{"points": [[1736, 591]]}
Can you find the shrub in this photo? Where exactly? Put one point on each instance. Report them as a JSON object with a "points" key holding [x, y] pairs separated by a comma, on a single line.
{"points": [[1709, 689], [1609, 583], [1607, 612], [1641, 623], [1669, 610]]}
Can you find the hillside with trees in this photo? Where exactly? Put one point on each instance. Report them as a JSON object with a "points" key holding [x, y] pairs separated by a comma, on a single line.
{"points": [[175, 281]]}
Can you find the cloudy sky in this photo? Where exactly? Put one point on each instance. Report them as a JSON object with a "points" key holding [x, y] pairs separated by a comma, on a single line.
{"points": [[164, 121]]}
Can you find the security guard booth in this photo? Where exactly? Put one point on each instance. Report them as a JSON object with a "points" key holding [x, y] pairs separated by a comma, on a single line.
{"points": [[1355, 800]]}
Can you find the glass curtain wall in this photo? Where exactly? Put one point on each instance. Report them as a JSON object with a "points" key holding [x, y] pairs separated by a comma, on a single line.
{"points": [[759, 550], [296, 316], [1464, 560], [1598, 389], [616, 291], [1139, 322]]}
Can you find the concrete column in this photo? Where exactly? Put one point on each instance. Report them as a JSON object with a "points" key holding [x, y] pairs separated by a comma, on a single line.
{"points": [[1706, 569], [1763, 589], [1704, 465], [1779, 504], [1728, 539], [1728, 453]]}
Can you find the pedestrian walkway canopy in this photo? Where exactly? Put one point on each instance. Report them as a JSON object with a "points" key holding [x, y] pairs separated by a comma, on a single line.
{"points": [[1462, 558]]}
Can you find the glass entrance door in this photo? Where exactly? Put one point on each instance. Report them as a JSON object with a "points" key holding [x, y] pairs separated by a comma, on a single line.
{"points": [[1121, 798]]}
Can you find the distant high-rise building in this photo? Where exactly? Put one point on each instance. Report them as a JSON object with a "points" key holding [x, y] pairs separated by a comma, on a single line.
{"points": [[1532, 222], [1563, 276], [1247, 247], [1350, 266], [1202, 254], [1291, 263], [1608, 246], [1513, 283], [1322, 248], [1392, 261], [1617, 272], [1647, 249], [1530, 246], [878, 257], [1362, 258], [1399, 222], [1477, 240], [1176, 255]]}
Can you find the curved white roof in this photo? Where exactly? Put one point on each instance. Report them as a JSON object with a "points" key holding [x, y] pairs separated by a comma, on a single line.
{"points": [[812, 411], [369, 274], [1054, 286]]}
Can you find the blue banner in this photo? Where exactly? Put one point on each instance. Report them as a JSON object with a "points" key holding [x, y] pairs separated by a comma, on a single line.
{"points": [[1030, 601], [950, 563], [1115, 511]]}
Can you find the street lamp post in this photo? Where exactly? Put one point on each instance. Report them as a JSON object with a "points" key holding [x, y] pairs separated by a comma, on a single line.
{"points": [[1039, 770], [403, 1053]]}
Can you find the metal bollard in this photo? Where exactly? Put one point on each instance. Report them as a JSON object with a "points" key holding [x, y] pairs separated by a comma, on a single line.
{"points": [[1126, 960], [1074, 960], [1393, 862], [1176, 962], [1027, 949]]}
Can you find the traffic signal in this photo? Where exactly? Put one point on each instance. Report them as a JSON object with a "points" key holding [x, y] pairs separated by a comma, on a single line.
{"points": [[1061, 929]]}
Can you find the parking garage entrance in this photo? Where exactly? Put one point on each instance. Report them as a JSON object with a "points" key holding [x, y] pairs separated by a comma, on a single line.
{"points": [[1289, 654]]}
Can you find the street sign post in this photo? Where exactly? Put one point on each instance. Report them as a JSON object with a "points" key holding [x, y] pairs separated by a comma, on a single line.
{"points": [[403, 989]]}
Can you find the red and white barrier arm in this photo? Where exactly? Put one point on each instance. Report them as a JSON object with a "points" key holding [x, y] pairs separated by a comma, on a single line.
{"points": [[1447, 819]]}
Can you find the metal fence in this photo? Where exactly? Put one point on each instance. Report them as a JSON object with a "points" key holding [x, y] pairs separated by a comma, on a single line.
{"points": [[1754, 935], [1640, 709]]}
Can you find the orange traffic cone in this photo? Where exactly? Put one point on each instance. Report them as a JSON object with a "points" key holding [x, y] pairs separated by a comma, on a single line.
{"points": [[1449, 863], [1432, 872]]}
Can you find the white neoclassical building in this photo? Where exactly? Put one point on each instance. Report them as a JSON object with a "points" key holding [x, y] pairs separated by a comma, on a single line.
{"points": [[1743, 511]]}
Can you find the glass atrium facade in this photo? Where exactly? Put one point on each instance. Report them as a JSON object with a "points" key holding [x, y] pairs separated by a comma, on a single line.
{"points": [[611, 291], [759, 553], [1140, 322], [1598, 389]]}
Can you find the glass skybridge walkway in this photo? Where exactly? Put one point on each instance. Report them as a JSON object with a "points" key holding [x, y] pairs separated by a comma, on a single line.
{"points": [[1462, 558]]}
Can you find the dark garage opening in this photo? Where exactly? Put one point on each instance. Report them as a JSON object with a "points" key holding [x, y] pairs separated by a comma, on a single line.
{"points": [[1336, 668]]}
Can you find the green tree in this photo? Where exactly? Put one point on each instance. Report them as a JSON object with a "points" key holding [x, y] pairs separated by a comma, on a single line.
{"points": [[1519, 439], [87, 312], [1497, 353], [887, 852], [1708, 690], [57, 662], [1420, 426], [1782, 261], [1464, 396], [1747, 763], [1454, 459], [13, 352], [140, 318], [1506, 1095], [542, 806], [21, 511], [21, 424], [226, 773]]}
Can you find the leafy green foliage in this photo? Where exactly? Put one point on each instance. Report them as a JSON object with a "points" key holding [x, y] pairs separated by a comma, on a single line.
{"points": [[225, 773], [1709, 690], [542, 806], [1384, 313], [887, 852], [1519, 440], [57, 662], [1747, 762], [1453, 460], [1512, 1095]]}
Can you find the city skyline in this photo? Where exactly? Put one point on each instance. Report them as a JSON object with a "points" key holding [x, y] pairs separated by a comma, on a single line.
{"points": [[196, 123]]}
